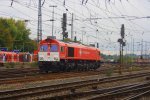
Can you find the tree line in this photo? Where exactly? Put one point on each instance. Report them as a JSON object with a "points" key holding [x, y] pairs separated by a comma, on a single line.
{"points": [[14, 35]]}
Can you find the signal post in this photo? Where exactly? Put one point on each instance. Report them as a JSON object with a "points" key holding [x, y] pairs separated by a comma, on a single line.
{"points": [[122, 44]]}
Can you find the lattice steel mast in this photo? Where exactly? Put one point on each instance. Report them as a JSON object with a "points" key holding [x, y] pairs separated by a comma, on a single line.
{"points": [[39, 30]]}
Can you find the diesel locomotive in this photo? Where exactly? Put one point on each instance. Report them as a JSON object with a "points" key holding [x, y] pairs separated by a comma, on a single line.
{"points": [[55, 55]]}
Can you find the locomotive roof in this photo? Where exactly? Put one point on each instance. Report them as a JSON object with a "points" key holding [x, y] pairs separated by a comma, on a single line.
{"points": [[7, 52], [70, 44]]}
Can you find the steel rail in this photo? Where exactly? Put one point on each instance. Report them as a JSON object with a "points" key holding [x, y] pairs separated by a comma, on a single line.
{"points": [[17, 73], [137, 96], [77, 95], [19, 93], [121, 92]]}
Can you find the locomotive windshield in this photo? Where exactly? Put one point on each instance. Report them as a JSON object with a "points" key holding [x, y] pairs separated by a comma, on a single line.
{"points": [[44, 48], [54, 48]]}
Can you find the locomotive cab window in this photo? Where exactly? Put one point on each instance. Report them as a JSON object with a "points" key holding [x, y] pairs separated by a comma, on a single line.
{"points": [[44, 48], [62, 49], [54, 48]]}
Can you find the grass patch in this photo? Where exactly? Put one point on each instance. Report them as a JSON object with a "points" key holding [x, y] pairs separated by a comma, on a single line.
{"points": [[134, 68], [109, 72], [34, 64], [9, 65], [20, 65]]}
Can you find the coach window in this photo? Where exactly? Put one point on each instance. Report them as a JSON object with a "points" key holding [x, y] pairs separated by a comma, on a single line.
{"points": [[54, 48], [62, 49]]}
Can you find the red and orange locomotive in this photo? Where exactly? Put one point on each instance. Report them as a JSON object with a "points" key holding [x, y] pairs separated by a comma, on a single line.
{"points": [[56, 55]]}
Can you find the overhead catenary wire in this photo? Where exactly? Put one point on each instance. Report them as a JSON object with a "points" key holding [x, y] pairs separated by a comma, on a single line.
{"points": [[102, 27]]}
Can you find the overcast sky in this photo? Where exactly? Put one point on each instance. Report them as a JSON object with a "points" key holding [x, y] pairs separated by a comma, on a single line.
{"points": [[99, 20]]}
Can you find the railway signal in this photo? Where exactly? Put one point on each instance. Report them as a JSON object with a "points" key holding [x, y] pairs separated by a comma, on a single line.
{"points": [[64, 26], [64, 22], [122, 44], [65, 34], [122, 31]]}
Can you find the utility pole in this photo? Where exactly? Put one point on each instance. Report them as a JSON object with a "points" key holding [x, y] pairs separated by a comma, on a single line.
{"points": [[39, 30], [97, 44], [52, 18], [82, 37], [133, 45], [82, 33], [142, 49], [145, 49], [72, 27], [133, 50], [126, 53], [87, 39]]}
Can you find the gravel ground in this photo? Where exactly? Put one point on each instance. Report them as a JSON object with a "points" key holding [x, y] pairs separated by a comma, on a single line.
{"points": [[60, 81]]}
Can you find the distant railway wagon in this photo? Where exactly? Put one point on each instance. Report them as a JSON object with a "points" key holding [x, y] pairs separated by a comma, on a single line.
{"points": [[56, 55], [25, 57], [8, 57]]}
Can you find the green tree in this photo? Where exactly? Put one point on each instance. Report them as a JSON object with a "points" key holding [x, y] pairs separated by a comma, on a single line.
{"points": [[15, 35]]}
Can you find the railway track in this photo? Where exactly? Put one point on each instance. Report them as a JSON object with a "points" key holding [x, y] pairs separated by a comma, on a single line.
{"points": [[13, 73], [113, 93], [48, 76], [23, 72], [137, 96], [33, 74], [17, 74], [66, 90], [121, 93]]}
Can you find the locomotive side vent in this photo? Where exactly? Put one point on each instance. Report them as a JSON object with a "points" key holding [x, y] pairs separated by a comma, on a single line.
{"points": [[70, 52]]}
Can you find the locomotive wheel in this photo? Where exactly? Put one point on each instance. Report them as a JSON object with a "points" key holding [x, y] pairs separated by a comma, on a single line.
{"points": [[46, 71], [68, 68], [62, 68]]}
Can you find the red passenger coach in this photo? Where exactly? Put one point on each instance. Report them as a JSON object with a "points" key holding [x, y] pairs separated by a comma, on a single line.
{"points": [[12, 57], [8, 57], [56, 55]]}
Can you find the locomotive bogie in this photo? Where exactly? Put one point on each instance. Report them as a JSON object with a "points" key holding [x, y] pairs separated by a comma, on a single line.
{"points": [[69, 65], [46, 66]]}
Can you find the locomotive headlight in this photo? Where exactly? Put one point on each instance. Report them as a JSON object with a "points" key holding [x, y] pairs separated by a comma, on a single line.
{"points": [[41, 58]]}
